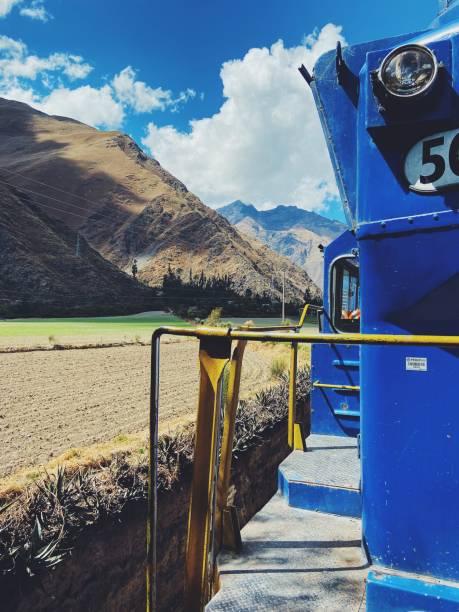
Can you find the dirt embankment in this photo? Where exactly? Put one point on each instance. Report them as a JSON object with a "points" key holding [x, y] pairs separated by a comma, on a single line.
{"points": [[54, 401], [106, 570]]}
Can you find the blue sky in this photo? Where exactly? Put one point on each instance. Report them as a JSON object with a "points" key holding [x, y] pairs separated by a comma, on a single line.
{"points": [[150, 68]]}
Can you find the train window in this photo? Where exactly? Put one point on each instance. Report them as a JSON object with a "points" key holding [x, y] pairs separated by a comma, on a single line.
{"points": [[345, 295]]}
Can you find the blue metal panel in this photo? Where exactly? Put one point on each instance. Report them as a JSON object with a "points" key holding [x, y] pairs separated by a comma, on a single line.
{"points": [[338, 106], [341, 246], [310, 496], [393, 593], [449, 11], [382, 150], [335, 412], [410, 421]]}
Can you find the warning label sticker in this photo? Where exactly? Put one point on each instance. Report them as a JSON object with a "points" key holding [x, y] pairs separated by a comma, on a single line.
{"points": [[416, 364]]}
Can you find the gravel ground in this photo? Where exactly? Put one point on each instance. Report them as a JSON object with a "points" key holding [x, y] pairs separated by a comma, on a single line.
{"points": [[56, 400]]}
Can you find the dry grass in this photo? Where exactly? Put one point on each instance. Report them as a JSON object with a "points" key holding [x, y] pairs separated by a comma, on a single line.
{"points": [[39, 525]]}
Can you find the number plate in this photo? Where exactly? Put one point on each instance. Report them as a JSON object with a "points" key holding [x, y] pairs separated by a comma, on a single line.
{"points": [[433, 163]]}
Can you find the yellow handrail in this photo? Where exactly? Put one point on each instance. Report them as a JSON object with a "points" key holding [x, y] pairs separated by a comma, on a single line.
{"points": [[215, 344], [263, 336]]}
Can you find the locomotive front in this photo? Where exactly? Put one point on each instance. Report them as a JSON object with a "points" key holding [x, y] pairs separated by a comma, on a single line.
{"points": [[390, 113]]}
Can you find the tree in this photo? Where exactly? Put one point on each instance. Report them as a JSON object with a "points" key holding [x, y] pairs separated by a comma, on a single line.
{"points": [[134, 269]]}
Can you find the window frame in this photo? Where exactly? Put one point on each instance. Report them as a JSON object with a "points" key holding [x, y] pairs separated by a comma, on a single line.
{"points": [[341, 326]]}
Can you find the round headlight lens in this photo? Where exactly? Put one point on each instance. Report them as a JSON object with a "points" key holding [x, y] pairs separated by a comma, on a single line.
{"points": [[409, 71]]}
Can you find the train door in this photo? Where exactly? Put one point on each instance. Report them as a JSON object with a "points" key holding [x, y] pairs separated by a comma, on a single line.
{"points": [[335, 399]]}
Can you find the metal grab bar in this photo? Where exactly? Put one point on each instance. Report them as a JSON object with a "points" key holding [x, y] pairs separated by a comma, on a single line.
{"points": [[340, 387], [216, 343]]}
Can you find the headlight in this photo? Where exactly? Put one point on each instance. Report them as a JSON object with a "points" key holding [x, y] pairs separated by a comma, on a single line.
{"points": [[408, 71]]}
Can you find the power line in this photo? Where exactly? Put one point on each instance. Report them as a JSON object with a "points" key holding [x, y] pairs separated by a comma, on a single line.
{"points": [[28, 178], [67, 212]]}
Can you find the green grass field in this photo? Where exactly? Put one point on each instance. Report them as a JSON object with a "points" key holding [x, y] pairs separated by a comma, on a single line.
{"points": [[88, 326], [78, 331]]}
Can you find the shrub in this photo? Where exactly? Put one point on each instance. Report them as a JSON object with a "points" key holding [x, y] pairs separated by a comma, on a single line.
{"points": [[40, 526], [214, 318], [278, 367]]}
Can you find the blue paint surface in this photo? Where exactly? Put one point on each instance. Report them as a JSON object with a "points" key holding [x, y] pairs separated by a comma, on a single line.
{"points": [[393, 593], [335, 412], [309, 496]]}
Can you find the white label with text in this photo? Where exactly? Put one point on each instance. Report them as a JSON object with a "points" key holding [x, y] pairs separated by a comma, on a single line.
{"points": [[416, 364]]}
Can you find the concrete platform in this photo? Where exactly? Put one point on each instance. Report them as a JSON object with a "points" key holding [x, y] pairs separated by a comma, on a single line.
{"points": [[292, 560], [324, 479]]}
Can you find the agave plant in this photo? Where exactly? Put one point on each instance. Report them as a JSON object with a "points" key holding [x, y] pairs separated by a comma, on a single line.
{"points": [[35, 554]]}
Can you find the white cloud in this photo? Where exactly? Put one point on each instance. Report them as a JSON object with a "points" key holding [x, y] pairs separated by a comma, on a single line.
{"points": [[16, 63], [88, 104], [36, 10], [138, 94], [265, 144], [11, 47], [93, 106], [41, 82], [142, 98], [6, 6], [18, 69]]}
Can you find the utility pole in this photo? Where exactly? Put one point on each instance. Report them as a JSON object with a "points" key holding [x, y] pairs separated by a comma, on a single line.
{"points": [[77, 247], [283, 296]]}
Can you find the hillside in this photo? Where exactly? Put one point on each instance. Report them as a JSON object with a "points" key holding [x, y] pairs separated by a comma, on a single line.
{"points": [[127, 206], [290, 231], [41, 274]]}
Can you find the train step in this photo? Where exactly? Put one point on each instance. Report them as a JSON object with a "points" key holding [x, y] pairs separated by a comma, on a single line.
{"points": [[326, 478], [294, 559]]}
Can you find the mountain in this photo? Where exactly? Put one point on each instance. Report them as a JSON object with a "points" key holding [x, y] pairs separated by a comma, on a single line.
{"points": [[127, 206], [288, 230], [41, 272]]}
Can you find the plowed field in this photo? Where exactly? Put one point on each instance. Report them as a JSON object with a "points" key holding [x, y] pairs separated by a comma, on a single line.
{"points": [[51, 401]]}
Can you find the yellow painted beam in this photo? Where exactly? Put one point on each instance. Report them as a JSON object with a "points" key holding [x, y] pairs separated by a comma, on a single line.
{"points": [[213, 358], [224, 474], [249, 335]]}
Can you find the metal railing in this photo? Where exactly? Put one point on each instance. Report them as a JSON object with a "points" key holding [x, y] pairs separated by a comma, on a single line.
{"points": [[211, 521]]}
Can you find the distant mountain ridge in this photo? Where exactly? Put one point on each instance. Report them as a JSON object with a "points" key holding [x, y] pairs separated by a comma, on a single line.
{"points": [[290, 231], [42, 273], [125, 206]]}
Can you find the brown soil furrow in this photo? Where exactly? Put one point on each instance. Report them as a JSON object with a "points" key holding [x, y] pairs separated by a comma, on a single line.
{"points": [[51, 401]]}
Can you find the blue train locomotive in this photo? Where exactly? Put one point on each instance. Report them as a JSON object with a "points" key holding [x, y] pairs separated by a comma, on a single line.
{"points": [[390, 113], [368, 516]]}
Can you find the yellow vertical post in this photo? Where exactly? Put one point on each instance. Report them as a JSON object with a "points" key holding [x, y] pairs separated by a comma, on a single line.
{"points": [[227, 531], [295, 426], [292, 393], [214, 354]]}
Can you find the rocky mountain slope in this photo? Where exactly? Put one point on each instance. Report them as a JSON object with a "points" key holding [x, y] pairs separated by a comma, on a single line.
{"points": [[43, 273], [126, 205], [288, 230]]}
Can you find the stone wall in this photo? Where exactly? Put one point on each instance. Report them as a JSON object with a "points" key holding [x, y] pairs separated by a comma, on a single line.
{"points": [[106, 570]]}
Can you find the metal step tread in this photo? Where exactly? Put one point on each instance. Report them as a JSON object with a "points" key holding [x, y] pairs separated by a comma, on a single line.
{"points": [[292, 560], [331, 461]]}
